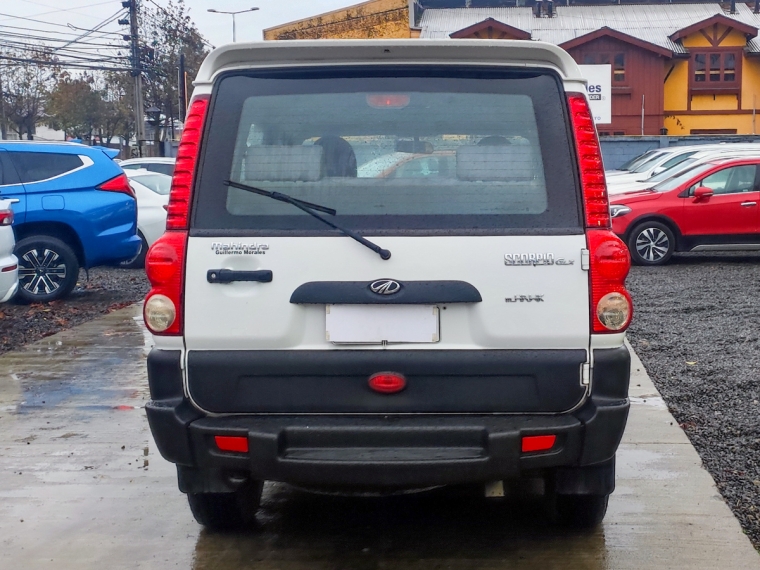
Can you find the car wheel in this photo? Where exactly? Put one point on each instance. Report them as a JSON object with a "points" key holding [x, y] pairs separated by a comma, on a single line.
{"points": [[651, 243], [578, 511], [48, 269], [227, 511], [138, 261]]}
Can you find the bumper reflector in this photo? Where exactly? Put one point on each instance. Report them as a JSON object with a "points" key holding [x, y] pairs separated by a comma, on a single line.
{"points": [[235, 444], [538, 443]]}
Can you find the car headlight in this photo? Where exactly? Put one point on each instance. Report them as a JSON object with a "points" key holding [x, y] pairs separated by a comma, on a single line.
{"points": [[617, 210]]}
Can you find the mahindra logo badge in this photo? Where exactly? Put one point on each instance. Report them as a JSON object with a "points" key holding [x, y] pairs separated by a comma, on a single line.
{"points": [[385, 287]]}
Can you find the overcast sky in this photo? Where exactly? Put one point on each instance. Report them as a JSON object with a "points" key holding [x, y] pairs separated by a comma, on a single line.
{"points": [[217, 28]]}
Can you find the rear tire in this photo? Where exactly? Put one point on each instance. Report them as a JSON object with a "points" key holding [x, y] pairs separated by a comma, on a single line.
{"points": [[651, 243], [583, 512], [48, 269], [227, 511]]}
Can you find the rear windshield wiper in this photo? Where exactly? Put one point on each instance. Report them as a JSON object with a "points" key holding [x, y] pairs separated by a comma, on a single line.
{"points": [[312, 210]]}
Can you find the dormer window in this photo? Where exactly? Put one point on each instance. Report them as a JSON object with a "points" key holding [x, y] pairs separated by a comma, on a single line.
{"points": [[711, 70]]}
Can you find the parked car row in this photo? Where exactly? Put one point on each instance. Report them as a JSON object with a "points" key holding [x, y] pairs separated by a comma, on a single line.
{"points": [[71, 206]]}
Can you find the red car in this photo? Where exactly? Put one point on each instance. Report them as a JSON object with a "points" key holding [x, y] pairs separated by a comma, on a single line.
{"points": [[711, 207]]}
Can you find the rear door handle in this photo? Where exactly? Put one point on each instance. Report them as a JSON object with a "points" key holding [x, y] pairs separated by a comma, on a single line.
{"points": [[228, 276], [748, 204]]}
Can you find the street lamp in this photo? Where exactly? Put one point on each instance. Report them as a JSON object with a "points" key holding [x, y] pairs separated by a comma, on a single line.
{"points": [[233, 14]]}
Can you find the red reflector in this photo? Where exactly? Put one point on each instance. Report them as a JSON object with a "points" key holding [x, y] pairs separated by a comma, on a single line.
{"points": [[388, 101], [387, 382], [234, 443], [538, 442], [9, 268]]}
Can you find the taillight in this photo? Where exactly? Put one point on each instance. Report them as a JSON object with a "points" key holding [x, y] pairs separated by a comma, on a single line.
{"points": [[6, 217], [594, 186], [118, 183], [611, 306], [165, 268], [178, 211]]}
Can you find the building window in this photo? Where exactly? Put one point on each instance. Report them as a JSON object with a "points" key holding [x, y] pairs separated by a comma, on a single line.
{"points": [[616, 60], [618, 68], [715, 69]]}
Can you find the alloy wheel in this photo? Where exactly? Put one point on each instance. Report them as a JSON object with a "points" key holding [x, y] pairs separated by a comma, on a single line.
{"points": [[652, 244], [41, 271]]}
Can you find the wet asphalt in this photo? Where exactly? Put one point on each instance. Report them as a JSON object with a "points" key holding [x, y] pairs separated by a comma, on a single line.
{"points": [[82, 487]]}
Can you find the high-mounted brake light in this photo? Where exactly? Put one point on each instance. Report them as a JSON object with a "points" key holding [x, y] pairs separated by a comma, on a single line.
{"points": [[178, 212], [388, 100], [118, 183], [596, 204]]}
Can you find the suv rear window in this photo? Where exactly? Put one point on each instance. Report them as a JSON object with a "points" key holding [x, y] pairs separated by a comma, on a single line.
{"points": [[36, 166], [392, 150]]}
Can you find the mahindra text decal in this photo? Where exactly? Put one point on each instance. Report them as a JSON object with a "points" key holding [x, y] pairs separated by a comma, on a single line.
{"points": [[239, 248]]}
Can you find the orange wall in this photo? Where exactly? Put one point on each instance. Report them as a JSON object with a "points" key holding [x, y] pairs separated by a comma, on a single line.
{"points": [[373, 19]]}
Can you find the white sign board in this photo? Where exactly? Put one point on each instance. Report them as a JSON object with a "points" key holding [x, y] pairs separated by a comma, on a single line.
{"points": [[599, 88]]}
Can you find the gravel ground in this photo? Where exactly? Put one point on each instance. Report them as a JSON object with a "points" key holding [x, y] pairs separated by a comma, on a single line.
{"points": [[696, 328], [106, 290]]}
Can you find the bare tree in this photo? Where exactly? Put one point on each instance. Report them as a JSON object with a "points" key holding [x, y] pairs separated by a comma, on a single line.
{"points": [[25, 87]]}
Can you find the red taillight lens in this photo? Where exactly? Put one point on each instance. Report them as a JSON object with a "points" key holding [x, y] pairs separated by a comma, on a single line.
{"points": [[233, 443], [596, 204], [611, 305], [178, 211], [6, 217], [532, 443], [387, 382], [165, 268], [119, 183]]}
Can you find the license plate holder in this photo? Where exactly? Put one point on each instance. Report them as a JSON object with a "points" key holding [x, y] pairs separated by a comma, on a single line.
{"points": [[381, 324]]}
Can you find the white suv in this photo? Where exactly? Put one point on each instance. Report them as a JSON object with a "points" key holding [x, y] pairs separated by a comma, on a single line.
{"points": [[457, 320]]}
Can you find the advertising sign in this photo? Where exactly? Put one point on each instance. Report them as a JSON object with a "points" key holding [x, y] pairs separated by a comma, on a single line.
{"points": [[599, 88]]}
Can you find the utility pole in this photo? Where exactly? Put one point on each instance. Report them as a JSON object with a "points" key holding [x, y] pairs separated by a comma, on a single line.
{"points": [[3, 127], [182, 90], [134, 36]]}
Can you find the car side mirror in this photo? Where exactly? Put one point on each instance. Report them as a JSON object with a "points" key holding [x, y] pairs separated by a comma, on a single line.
{"points": [[702, 193]]}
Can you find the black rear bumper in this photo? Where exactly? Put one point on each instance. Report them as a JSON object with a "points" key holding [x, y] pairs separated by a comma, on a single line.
{"points": [[383, 450]]}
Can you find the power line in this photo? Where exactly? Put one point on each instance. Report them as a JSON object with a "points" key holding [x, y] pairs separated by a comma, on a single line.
{"points": [[55, 11]]}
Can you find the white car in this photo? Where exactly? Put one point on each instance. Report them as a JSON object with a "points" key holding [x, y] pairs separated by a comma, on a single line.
{"points": [[664, 159], [725, 151], [459, 321], [163, 165], [8, 261], [152, 193]]}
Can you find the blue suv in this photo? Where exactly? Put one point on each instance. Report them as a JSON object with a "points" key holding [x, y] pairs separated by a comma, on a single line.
{"points": [[74, 208]]}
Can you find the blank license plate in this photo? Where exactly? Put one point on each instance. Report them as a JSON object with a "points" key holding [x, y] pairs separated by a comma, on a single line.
{"points": [[375, 324]]}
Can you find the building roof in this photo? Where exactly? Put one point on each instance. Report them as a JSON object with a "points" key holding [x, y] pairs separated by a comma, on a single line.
{"points": [[650, 23]]}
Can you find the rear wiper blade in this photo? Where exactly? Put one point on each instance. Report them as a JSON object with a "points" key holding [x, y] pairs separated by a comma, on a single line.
{"points": [[312, 210]]}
